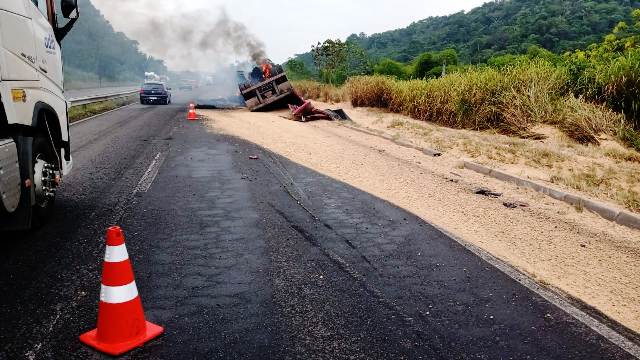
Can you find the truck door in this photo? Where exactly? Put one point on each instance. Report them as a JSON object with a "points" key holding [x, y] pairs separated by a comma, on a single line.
{"points": [[49, 61], [17, 53]]}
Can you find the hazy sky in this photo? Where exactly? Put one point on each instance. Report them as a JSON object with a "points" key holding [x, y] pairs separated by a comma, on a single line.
{"points": [[286, 27]]}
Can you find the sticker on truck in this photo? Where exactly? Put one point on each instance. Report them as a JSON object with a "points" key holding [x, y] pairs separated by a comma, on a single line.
{"points": [[19, 95]]}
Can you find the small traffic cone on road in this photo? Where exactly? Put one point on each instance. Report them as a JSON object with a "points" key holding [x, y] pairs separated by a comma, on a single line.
{"points": [[192, 115], [121, 323]]}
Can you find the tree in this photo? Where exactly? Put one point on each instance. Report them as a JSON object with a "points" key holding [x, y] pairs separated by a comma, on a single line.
{"points": [[357, 61], [329, 57], [297, 70], [501, 27], [390, 67], [424, 64], [448, 57]]}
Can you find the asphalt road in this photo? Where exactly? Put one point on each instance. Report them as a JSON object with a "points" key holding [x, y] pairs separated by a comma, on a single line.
{"points": [[258, 259]]}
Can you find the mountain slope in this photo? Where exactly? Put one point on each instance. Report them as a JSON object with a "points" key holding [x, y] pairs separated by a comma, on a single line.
{"points": [[94, 53], [503, 26]]}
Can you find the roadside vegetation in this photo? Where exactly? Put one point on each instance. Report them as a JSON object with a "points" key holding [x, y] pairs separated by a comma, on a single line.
{"points": [[500, 28], [80, 112], [589, 94], [570, 119]]}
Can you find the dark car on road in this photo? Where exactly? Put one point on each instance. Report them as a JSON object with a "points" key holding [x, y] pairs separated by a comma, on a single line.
{"points": [[155, 93]]}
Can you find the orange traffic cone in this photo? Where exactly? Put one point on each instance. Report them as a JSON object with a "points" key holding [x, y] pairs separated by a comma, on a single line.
{"points": [[121, 323], [192, 115]]}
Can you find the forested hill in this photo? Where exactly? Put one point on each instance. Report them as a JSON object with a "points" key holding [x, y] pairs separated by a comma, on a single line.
{"points": [[503, 26], [95, 54]]}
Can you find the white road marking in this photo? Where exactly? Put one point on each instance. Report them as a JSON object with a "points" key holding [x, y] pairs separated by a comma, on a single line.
{"points": [[150, 175]]}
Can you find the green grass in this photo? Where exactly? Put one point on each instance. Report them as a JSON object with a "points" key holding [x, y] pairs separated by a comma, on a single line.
{"points": [[512, 100], [77, 113], [629, 137]]}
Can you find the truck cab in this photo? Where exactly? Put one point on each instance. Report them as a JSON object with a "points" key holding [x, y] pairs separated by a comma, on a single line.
{"points": [[34, 128]]}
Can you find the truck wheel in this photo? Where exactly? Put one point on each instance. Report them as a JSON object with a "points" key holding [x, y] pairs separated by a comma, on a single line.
{"points": [[44, 173]]}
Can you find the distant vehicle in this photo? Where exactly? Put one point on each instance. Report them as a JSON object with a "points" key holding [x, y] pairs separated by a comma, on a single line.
{"points": [[155, 93], [186, 87], [151, 77], [34, 128]]}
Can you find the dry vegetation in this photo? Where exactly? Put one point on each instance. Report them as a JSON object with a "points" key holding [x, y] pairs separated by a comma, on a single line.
{"points": [[319, 91], [511, 101], [607, 171], [522, 119]]}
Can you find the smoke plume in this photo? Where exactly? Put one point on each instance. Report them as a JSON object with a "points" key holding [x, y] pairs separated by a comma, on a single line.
{"points": [[204, 40]]}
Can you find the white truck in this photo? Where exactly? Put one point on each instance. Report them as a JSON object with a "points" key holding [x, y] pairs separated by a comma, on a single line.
{"points": [[34, 128]]}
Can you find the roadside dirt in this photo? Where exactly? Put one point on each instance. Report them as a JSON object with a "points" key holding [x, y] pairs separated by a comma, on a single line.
{"points": [[579, 253], [607, 172]]}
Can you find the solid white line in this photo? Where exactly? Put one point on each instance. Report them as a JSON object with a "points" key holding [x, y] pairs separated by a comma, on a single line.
{"points": [[114, 254], [552, 297], [98, 115], [150, 175], [118, 294]]}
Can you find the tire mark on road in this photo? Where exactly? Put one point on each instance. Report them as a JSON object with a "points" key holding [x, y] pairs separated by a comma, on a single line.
{"points": [[150, 175]]}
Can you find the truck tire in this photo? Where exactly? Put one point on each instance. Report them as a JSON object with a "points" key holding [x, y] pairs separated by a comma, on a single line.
{"points": [[43, 152]]}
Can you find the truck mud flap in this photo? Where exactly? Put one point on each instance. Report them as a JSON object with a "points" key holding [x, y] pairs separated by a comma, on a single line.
{"points": [[21, 218]]}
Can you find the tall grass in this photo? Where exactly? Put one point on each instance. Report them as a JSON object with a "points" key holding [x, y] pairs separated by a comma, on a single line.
{"points": [[511, 100], [609, 78], [319, 91]]}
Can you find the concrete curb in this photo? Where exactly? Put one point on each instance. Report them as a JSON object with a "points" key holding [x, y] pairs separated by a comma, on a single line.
{"points": [[608, 212], [425, 151]]}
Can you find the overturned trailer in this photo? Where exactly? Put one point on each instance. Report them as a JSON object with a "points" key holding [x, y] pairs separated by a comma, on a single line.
{"points": [[267, 87]]}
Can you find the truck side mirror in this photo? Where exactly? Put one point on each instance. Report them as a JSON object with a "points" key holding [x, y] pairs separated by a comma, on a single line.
{"points": [[68, 7]]}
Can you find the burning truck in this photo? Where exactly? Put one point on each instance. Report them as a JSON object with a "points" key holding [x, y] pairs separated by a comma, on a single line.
{"points": [[266, 87]]}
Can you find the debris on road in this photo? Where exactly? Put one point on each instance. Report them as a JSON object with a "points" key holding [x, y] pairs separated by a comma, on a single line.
{"points": [[487, 192], [221, 103], [515, 204], [254, 157], [307, 112]]}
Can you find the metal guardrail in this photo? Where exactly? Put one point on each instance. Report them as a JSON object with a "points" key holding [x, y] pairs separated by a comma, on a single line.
{"points": [[102, 97]]}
